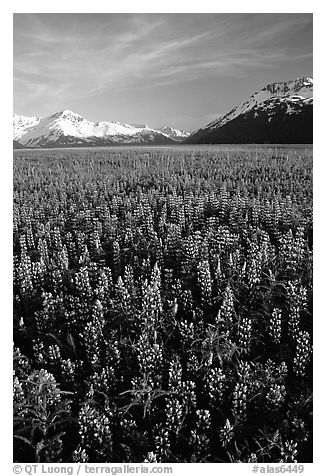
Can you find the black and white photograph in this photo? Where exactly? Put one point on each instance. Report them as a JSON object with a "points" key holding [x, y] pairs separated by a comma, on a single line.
{"points": [[162, 240]]}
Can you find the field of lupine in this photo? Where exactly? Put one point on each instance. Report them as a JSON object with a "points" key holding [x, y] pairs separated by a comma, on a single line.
{"points": [[163, 305]]}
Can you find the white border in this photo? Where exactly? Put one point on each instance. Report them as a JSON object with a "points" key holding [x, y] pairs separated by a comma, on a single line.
{"points": [[168, 6]]}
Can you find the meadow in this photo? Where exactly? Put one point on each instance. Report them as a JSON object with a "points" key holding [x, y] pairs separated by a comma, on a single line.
{"points": [[163, 305]]}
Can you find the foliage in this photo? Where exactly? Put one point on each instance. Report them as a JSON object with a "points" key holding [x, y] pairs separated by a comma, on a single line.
{"points": [[163, 305]]}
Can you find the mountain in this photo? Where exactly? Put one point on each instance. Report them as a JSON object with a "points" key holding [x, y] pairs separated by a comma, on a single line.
{"points": [[68, 129], [17, 145], [280, 113], [174, 134], [22, 124]]}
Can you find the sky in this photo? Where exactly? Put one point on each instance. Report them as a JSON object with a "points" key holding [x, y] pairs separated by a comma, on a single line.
{"points": [[177, 69]]}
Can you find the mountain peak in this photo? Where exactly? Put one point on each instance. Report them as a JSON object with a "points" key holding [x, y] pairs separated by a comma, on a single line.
{"points": [[66, 128], [281, 111], [67, 114], [140, 126], [19, 117], [175, 133], [306, 79], [289, 87]]}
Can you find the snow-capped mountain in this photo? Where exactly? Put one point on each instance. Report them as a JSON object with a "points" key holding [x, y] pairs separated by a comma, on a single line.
{"points": [[279, 113], [175, 134], [66, 128], [22, 124]]}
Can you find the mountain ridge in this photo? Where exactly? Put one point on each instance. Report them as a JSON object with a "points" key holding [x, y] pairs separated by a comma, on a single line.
{"points": [[281, 112], [267, 116], [67, 128]]}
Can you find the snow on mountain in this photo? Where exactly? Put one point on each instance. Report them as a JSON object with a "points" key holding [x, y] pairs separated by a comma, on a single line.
{"points": [[140, 126], [64, 123], [68, 128], [300, 89], [21, 125], [279, 112], [175, 134]]}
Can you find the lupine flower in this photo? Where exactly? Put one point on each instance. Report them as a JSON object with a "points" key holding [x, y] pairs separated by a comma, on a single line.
{"points": [[205, 281], [226, 433], [275, 326], [150, 458], [303, 353], [174, 414], [275, 397], [289, 452], [245, 332], [239, 409], [215, 382]]}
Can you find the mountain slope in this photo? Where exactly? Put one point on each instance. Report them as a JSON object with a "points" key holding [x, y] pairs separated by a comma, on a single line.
{"points": [[17, 145], [279, 113], [175, 134], [68, 129], [22, 124]]}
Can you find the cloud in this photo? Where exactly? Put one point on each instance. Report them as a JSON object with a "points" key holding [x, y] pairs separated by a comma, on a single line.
{"points": [[77, 67], [79, 56]]}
